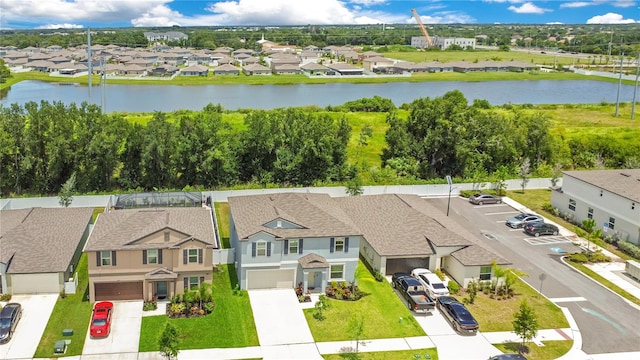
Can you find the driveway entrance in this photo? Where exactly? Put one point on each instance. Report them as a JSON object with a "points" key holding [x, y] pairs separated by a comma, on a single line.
{"points": [[36, 310], [278, 317], [125, 331]]}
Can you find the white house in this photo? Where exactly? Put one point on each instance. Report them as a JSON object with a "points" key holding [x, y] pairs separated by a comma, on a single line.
{"points": [[610, 197]]}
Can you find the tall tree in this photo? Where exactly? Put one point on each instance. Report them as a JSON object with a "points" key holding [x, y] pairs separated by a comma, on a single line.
{"points": [[66, 193], [158, 153], [5, 73]]}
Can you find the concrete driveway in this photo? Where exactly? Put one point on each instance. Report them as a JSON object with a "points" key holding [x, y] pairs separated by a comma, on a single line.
{"points": [[125, 331], [36, 310], [278, 317]]}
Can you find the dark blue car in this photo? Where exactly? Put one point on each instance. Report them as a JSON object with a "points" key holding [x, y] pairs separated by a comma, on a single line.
{"points": [[459, 317]]}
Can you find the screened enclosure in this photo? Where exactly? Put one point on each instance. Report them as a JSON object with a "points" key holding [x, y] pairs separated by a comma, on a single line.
{"points": [[159, 199]]}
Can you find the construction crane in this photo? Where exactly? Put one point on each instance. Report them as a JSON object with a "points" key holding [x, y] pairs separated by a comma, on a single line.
{"points": [[422, 28]]}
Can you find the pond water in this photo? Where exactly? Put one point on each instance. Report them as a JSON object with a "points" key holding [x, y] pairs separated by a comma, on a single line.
{"points": [[148, 98]]}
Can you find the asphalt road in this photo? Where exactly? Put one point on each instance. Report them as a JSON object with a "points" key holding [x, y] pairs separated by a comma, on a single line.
{"points": [[607, 322]]}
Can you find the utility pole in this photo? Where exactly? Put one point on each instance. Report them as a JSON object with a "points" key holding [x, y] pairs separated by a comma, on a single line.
{"points": [[635, 89], [89, 65], [619, 84]]}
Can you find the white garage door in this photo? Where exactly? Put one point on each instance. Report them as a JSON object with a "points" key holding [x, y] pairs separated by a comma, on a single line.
{"points": [[47, 283], [271, 279]]}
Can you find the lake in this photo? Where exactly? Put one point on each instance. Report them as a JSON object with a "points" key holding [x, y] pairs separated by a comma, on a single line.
{"points": [[149, 98]]}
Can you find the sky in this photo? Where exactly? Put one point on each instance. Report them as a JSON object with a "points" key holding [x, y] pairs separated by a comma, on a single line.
{"points": [[54, 14]]}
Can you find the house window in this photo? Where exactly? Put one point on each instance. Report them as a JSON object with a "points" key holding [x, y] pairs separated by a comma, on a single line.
{"points": [[612, 223], [167, 236], [485, 273], [261, 248], [152, 256], [193, 282], [339, 245], [105, 258], [572, 205], [590, 213], [193, 256], [293, 246], [337, 271]]}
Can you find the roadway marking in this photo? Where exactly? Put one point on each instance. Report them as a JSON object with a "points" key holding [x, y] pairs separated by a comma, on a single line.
{"points": [[568, 299], [503, 213], [488, 205], [511, 229], [546, 241]]}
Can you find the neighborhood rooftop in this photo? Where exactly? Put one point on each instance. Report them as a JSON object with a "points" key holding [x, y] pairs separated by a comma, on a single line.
{"points": [[625, 182], [38, 240], [120, 229]]}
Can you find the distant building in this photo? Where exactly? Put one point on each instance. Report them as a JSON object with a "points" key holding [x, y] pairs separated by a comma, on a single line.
{"points": [[443, 42], [166, 36]]}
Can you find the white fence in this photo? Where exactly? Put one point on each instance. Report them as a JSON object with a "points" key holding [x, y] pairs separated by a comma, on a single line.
{"points": [[71, 285], [335, 191], [224, 256]]}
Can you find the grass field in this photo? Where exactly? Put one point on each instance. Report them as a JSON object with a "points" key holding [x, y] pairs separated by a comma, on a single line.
{"points": [[223, 215], [230, 324], [72, 312], [551, 349], [426, 354], [384, 314], [487, 55]]}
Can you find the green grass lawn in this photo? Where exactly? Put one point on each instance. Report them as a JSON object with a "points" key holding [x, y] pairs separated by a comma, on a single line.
{"points": [[497, 315], [223, 215], [72, 312], [384, 314], [230, 325], [386, 355], [551, 349]]}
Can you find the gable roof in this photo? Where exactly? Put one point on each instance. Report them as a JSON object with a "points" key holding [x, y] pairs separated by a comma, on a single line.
{"points": [[41, 240], [318, 214], [119, 229], [625, 182]]}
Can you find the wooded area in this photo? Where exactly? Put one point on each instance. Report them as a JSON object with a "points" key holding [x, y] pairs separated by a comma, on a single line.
{"points": [[43, 145]]}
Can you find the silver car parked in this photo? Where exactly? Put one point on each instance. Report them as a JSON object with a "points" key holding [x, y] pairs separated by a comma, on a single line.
{"points": [[520, 220]]}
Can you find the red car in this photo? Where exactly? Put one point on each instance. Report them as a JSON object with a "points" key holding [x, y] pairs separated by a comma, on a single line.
{"points": [[101, 319]]}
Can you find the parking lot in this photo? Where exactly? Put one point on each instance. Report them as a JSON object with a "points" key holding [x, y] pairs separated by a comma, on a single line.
{"points": [[606, 321], [36, 310]]}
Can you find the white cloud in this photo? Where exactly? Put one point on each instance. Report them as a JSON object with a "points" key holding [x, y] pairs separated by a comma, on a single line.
{"points": [[76, 10], [576, 4], [528, 8], [60, 26], [368, 2], [555, 23], [624, 3], [445, 17], [610, 18]]}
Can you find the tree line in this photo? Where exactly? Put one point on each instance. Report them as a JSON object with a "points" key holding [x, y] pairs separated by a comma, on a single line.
{"points": [[44, 145]]}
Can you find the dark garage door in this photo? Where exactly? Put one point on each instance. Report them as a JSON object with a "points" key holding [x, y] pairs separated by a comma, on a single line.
{"points": [[119, 291], [406, 265]]}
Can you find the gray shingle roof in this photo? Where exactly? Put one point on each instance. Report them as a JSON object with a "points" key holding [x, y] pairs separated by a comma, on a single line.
{"points": [[41, 240], [625, 183], [117, 230], [318, 214], [475, 255]]}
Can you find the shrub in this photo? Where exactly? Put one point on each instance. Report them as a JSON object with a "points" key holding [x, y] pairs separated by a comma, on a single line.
{"points": [[378, 276], [579, 257], [209, 307], [439, 273], [454, 288], [149, 305], [177, 308], [5, 297], [598, 256], [467, 193], [629, 248]]}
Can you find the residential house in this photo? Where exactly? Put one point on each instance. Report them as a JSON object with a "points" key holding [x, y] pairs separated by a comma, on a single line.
{"points": [[376, 63], [40, 248], [345, 69], [226, 69], [195, 70], [282, 240], [610, 197], [165, 36], [402, 232], [286, 69], [149, 253], [256, 69], [314, 69]]}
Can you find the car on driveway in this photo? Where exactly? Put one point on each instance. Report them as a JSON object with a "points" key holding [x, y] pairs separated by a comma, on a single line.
{"points": [[520, 220], [481, 199], [101, 319], [458, 316], [541, 228], [431, 282], [9, 317]]}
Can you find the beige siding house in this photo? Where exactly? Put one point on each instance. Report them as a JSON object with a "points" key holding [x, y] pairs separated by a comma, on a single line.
{"points": [[40, 248], [150, 253]]}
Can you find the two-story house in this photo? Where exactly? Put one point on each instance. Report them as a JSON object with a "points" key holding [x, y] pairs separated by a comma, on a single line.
{"points": [[146, 253], [610, 197], [283, 240]]}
